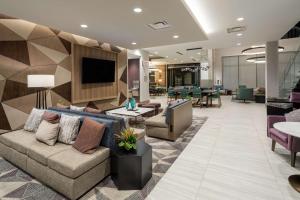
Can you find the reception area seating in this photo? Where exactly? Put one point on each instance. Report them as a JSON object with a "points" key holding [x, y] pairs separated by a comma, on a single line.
{"points": [[171, 123]]}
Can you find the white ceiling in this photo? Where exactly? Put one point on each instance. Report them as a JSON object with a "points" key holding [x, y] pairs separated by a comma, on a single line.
{"points": [[266, 20], [114, 21], [111, 21]]}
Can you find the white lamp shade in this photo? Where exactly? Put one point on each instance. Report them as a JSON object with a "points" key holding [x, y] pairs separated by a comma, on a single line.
{"points": [[40, 81]]}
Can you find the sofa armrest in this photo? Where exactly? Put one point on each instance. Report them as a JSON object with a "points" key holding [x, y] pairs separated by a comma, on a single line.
{"points": [[272, 119]]}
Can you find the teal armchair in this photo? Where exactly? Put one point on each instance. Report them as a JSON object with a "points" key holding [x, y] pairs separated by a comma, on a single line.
{"points": [[245, 94]]}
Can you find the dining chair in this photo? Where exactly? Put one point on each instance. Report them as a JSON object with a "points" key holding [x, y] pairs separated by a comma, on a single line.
{"points": [[216, 95], [171, 94], [184, 93], [197, 96]]}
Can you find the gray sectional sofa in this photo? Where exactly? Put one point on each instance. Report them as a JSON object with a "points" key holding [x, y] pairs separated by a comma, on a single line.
{"points": [[171, 123], [61, 166]]}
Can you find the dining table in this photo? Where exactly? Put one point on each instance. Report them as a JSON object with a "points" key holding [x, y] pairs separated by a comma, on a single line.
{"points": [[207, 93]]}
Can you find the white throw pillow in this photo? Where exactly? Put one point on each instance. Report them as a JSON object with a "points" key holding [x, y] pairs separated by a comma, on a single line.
{"points": [[69, 126], [34, 120], [47, 133], [81, 109]]}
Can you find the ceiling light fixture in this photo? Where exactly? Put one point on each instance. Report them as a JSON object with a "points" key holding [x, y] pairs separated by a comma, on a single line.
{"points": [[257, 60], [155, 52], [258, 50], [199, 53], [137, 10], [239, 34], [83, 26], [175, 36], [240, 19], [239, 44], [133, 43]]}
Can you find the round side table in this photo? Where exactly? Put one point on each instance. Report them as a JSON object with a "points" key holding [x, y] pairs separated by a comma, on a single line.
{"points": [[292, 129]]}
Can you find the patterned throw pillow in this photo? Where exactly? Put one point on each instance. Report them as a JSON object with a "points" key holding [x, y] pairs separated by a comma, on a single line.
{"points": [[68, 128], [34, 120], [76, 108], [293, 116]]}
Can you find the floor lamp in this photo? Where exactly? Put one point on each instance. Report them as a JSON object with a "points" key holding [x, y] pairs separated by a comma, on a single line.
{"points": [[42, 83]]}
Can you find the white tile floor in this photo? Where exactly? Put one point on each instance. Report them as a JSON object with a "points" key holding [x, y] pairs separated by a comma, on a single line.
{"points": [[229, 158]]}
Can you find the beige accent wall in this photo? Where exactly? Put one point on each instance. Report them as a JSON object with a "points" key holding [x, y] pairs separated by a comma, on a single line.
{"points": [[44, 50]]}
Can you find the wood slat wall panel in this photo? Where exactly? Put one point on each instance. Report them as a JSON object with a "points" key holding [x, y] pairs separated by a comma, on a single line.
{"points": [[91, 92]]}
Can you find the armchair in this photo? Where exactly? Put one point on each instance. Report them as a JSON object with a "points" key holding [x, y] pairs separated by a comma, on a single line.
{"points": [[290, 143], [244, 94]]}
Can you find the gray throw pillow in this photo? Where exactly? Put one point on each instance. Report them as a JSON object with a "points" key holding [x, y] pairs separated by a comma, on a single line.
{"points": [[34, 120], [293, 116], [76, 108], [47, 133], [69, 126]]}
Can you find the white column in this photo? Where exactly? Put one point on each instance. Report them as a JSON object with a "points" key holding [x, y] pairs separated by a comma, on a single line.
{"points": [[272, 75]]}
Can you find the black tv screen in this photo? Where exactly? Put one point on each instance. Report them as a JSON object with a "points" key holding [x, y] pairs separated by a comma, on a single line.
{"points": [[97, 70]]}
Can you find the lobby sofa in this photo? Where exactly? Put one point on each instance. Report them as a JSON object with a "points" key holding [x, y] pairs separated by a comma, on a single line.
{"points": [[171, 123], [61, 166], [290, 143]]}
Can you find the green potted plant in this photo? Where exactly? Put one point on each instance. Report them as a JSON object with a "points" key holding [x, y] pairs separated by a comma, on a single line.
{"points": [[127, 140]]}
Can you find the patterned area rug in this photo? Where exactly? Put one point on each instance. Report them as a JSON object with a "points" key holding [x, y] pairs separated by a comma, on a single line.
{"points": [[16, 184]]}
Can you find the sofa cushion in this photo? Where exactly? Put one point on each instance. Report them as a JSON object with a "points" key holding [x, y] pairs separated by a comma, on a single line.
{"points": [[72, 163], [51, 117], [89, 136], [280, 135], [34, 120], [19, 140], [81, 109], [69, 126], [47, 133], [158, 120], [92, 110], [41, 152]]}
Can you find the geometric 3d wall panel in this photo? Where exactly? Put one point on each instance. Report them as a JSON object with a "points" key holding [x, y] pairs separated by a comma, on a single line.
{"points": [[28, 48]]}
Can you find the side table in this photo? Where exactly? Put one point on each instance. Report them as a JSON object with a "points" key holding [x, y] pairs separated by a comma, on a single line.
{"points": [[132, 170]]}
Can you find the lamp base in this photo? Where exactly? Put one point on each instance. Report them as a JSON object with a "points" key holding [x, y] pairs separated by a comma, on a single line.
{"points": [[41, 99]]}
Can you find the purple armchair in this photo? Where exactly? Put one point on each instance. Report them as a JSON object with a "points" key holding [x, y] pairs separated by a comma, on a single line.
{"points": [[290, 143]]}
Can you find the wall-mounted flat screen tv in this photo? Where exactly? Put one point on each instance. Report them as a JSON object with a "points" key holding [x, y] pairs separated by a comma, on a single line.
{"points": [[97, 70]]}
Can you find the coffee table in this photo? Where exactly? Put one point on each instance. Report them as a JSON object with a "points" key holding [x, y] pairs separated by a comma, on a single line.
{"points": [[126, 114], [292, 129]]}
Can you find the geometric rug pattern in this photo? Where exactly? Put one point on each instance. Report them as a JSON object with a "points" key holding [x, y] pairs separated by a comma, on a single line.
{"points": [[29, 48], [16, 184]]}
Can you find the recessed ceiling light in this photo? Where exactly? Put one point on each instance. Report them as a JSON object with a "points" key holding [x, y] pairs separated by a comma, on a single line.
{"points": [[175, 36], [155, 52], [83, 26], [199, 53], [133, 43], [239, 44], [239, 34], [240, 19], [167, 56], [137, 10]]}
